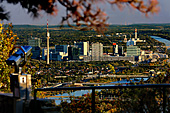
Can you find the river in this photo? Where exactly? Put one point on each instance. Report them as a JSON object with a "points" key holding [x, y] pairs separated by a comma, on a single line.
{"points": [[81, 92], [167, 42]]}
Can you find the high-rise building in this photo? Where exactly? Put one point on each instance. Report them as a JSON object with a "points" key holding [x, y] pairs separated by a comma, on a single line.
{"points": [[115, 49], [44, 54], [56, 56], [35, 52], [133, 51], [97, 51], [83, 46], [61, 48], [73, 53], [35, 43], [120, 50]]}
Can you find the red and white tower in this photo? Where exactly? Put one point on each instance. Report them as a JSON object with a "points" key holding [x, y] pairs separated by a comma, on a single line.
{"points": [[136, 34], [48, 37]]}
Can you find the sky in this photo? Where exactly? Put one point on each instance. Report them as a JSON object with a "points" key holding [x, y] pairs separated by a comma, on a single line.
{"points": [[126, 16]]}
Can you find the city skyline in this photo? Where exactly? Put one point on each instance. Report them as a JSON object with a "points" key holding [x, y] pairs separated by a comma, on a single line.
{"points": [[126, 16]]}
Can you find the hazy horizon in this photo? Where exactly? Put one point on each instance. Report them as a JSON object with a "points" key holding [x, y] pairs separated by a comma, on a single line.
{"points": [[127, 16]]}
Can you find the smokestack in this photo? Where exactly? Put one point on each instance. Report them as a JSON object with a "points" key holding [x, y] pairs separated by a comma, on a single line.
{"points": [[136, 34], [48, 37]]}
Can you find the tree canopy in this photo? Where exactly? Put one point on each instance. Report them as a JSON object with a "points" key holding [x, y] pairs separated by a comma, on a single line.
{"points": [[7, 42], [81, 12]]}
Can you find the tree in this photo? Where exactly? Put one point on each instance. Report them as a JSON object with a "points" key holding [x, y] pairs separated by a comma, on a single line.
{"points": [[81, 12], [112, 68], [7, 42]]}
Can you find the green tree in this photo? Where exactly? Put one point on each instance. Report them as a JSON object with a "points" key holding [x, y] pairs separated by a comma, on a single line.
{"points": [[112, 68]]}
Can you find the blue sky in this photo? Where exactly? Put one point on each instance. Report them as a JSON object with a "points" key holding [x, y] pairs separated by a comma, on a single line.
{"points": [[128, 15]]}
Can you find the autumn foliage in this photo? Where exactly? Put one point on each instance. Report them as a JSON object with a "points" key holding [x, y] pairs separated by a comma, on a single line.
{"points": [[7, 42]]}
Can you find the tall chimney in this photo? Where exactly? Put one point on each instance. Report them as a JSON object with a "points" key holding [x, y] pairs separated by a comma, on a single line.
{"points": [[136, 34], [48, 37]]}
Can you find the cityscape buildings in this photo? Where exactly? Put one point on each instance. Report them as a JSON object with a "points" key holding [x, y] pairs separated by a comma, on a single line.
{"points": [[120, 51], [97, 51], [73, 53], [35, 43], [61, 48], [81, 51], [131, 42], [115, 49], [83, 46], [133, 51]]}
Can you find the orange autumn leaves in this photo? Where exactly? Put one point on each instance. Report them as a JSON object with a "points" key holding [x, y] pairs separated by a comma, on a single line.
{"points": [[88, 13], [85, 14]]}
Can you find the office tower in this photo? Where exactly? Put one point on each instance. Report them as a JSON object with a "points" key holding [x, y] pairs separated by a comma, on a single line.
{"points": [[84, 47], [115, 49], [120, 50], [35, 43], [61, 48], [133, 51], [52, 55], [97, 51], [73, 53], [35, 52]]}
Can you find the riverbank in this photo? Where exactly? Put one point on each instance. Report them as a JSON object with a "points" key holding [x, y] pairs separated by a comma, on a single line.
{"points": [[167, 42], [163, 36]]}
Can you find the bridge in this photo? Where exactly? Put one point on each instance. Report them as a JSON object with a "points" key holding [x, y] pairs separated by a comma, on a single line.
{"points": [[112, 76], [120, 76]]}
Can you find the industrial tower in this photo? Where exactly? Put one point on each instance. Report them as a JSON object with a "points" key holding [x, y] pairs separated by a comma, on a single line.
{"points": [[136, 36], [48, 37]]}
